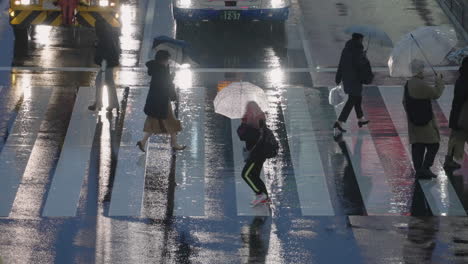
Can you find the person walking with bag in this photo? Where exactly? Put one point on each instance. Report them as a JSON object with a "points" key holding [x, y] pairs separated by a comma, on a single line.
{"points": [[107, 56], [423, 129], [458, 116], [158, 109], [251, 131], [354, 70]]}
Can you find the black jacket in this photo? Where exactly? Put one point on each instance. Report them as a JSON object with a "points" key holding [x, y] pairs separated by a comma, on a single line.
{"points": [[354, 68], [161, 90], [107, 45], [251, 136], [459, 98]]}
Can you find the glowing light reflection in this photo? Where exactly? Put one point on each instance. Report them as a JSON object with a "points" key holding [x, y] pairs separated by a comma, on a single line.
{"points": [[128, 38], [183, 77], [276, 77], [42, 35]]}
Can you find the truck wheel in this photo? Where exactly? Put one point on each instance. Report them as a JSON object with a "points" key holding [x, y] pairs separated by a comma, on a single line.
{"points": [[21, 35]]}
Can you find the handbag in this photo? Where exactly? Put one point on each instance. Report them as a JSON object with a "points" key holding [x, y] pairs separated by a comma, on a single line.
{"points": [[463, 118]]}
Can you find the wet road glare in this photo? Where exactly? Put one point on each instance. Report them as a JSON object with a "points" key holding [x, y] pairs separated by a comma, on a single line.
{"points": [[348, 200]]}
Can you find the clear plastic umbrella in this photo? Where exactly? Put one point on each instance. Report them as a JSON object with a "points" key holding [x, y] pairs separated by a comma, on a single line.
{"points": [[430, 44], [232, 99], [373, 35]]}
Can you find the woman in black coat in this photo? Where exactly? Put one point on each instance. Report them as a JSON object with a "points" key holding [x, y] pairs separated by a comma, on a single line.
{"points": [[160, 116], [354, 70], [458, 136]]}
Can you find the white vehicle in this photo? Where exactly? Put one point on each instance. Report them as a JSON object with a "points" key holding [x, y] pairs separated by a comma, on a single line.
{"points": [[231, 11]]}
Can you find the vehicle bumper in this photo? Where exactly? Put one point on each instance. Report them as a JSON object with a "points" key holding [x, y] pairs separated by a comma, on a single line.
{"points": [[187, 14]]}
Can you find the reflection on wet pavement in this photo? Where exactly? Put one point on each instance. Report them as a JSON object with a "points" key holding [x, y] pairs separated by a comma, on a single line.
{"points": [[331, 198]]}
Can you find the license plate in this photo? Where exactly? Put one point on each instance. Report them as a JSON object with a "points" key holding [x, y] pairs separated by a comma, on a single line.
{"points": [[230, 15]]}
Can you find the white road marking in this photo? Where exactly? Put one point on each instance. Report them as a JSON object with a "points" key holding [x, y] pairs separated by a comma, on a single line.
{"points": [[129, 181], [16, 152], [64, 193], [190, 163], [310, 177]]}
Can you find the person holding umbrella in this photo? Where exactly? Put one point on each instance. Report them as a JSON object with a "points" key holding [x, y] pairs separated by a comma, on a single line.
{"points": [[423, 129], [354, 70], [160, 116], [250, 131], [107, 56], [458, 136]]}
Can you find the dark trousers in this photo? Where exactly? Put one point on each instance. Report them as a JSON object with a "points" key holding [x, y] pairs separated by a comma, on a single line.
{"points": [[251, 175], [353, 102], [424, 155]]}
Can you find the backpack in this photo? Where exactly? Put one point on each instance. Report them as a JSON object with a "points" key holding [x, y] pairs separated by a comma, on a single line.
{"points": [[270, 144], [419, 111]]}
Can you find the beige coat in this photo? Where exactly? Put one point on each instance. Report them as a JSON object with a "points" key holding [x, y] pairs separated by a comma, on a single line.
{"points": [[419, 89]]}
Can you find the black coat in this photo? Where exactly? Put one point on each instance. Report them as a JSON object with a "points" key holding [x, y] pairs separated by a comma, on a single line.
{"points": [[251, 136], [459, 98], [354, 68], [161, 90], [107, 47]]}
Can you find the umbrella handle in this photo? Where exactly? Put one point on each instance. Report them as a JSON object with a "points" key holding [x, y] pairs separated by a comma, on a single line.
{"points": [[424, 54]]}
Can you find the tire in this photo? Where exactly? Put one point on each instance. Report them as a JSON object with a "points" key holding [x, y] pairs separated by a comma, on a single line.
{"points": [[21, 35]]}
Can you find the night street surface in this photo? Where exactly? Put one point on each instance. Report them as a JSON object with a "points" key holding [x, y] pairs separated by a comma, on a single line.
{"points": [[74, 188]]}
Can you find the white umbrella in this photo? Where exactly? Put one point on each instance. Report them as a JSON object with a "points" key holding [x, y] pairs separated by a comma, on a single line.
{"points": [[373, 35], [430, 44], [232, 100]]}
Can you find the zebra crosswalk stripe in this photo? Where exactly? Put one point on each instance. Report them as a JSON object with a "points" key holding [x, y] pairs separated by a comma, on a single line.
{"points": [[15, 154], [129, 180], [69, 175], [310, 177]]}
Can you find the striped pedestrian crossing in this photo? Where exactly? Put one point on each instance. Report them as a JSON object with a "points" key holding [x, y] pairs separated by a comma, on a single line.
{"points": [[15, 154], [189, 198], [129, 180], [309, 173], [128, 189], [65, 190]]}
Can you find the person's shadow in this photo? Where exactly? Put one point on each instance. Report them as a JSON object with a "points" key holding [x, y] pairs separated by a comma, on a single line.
{"points": [[257, 239], [420, 240]]}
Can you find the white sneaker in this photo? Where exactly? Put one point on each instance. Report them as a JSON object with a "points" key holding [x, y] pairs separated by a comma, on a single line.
{"points": [[260, 199]]}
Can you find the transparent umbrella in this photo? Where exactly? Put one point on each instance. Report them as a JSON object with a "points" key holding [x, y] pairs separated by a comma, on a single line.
{"points": [[232, 99], [430, 44]]}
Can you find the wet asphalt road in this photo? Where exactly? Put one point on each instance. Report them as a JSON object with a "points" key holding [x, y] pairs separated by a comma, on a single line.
{"points": [[360, 230]]}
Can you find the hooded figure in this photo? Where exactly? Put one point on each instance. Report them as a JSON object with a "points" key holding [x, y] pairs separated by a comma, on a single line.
{"points": [[423, 129], [458, 136]]}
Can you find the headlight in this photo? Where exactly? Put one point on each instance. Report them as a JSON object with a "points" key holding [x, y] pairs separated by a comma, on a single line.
{"points": [[183, 3], [275, 3], [26, 2]]}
